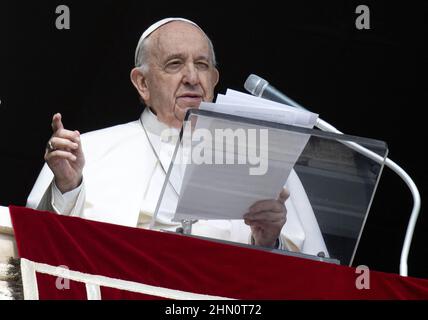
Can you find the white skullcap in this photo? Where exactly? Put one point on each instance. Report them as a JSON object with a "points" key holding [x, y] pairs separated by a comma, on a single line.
{"points": [[156, 26]]}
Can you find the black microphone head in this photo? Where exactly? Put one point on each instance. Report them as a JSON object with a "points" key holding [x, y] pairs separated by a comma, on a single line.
{"points": [[255, 85]]}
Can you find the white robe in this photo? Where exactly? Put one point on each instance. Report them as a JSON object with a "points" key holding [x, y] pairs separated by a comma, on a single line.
{"points": [[123, 181]]}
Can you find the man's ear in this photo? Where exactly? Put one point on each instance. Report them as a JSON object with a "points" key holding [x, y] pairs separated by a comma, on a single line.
{"points": [[139, 81], [216, 76]]}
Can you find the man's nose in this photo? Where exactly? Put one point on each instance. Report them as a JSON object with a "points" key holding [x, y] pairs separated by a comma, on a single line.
{"points": [[191, 75]]}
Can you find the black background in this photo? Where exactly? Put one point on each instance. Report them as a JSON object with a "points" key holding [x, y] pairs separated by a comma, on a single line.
{"points": [[370, 83]]}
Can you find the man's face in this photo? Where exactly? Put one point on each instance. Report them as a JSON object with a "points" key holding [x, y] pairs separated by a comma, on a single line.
{"points": [[181, 72]]}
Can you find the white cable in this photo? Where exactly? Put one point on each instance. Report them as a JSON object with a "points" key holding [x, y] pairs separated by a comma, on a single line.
{"points": [[324, 126]]}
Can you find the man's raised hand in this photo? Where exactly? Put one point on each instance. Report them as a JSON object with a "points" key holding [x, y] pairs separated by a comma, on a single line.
{"points": [[64, 156]]}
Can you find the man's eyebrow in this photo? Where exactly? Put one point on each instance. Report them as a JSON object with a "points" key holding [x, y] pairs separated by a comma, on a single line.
{"points": [[174, 56], [181, 56], [203, 57]]}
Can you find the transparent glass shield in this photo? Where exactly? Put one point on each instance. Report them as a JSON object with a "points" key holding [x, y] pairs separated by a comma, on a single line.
{"points": [[222, 164]]}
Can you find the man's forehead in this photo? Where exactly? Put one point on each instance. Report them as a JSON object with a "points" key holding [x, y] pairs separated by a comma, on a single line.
{"points": [[178, 30], [178, 39]]}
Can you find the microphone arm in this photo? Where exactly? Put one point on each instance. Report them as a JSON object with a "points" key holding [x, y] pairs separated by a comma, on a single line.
{"points": [[256, 86], [321, 124]]}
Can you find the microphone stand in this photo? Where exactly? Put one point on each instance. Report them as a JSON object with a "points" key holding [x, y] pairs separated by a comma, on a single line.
{"points": [[325, 126], [186, 226]]}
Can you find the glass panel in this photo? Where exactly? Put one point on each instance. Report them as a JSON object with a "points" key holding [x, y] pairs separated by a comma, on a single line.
{"points": [[222, 164]]}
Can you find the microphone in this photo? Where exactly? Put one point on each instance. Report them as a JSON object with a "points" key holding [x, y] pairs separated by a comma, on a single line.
{"points": [[259, 87]]}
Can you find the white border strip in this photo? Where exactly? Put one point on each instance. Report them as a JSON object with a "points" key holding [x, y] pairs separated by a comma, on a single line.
{"points": [[93, 291], [29, 269], [29, 280]]}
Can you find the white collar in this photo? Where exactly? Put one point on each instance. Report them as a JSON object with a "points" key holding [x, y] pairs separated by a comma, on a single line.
{"points": [[154, 126]]}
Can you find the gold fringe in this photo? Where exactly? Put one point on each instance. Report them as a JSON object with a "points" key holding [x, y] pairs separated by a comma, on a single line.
{"points": [[14, 279]]}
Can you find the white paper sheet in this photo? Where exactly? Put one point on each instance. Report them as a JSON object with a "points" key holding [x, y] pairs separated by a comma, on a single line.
{"points": [[263, 109], [221, 191]]}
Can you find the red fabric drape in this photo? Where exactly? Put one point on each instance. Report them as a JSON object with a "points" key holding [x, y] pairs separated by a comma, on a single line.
{"points": [[187, 264]]}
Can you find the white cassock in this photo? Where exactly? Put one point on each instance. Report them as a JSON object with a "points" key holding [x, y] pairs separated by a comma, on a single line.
{"points": [[123, 180]]}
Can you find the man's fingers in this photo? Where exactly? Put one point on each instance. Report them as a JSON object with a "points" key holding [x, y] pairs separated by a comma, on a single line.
{"points": [[68, 134], [267, 216], [261, 225], [59, 154], [77, 141], [57, 122], [283, 196], [267, 205], [63, 144]]}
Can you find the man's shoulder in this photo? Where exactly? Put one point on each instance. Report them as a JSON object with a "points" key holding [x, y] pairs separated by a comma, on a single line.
{"points": [[98, 142], [115, 132]]}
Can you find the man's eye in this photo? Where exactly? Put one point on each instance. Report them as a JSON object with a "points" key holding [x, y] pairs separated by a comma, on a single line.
{"points": [[173, 65], [202, 65]]}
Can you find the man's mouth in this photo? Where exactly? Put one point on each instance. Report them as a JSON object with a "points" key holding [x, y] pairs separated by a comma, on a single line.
{"points": [[190, 99]]}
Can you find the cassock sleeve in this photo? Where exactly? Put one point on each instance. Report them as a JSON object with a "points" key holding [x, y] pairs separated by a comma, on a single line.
{"points": [[301, 232], [46, 196]]}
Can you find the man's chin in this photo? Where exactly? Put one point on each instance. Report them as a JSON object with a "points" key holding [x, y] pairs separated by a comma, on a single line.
{"points": [[181, 112]]}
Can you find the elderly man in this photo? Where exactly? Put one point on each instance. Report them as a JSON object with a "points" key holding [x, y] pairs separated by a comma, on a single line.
{"points": [[116, 174]]}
